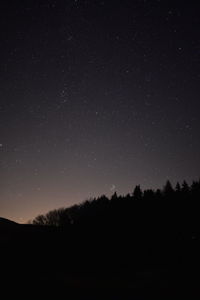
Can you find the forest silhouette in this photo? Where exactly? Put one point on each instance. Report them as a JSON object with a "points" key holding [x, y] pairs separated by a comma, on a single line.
{"points": [[144, 241]]}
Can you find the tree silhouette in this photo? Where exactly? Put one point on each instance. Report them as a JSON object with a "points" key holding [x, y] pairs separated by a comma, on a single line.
{"points": [[114, 196], [185, 188], [137, 193], [40, 220], [118, 211], [178, 188], [168, 189]]}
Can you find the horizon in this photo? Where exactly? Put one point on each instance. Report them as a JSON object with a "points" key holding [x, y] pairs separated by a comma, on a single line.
{"points": [[23, 221]]}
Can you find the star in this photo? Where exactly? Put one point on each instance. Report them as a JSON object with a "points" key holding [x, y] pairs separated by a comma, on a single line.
{"points": [[112, 188]]}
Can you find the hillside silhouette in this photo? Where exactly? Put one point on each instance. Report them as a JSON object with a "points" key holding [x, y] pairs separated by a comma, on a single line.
{"points": [[7, 223], [139, 243]]}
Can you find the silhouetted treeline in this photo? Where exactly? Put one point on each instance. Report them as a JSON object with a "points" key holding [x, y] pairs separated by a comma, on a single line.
{"points": [[174, 201]]}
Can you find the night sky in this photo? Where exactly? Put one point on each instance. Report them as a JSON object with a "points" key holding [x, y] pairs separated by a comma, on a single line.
{"points": [[96, 97]]}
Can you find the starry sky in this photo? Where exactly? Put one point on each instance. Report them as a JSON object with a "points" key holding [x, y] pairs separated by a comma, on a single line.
{"points": [[95, 97]]}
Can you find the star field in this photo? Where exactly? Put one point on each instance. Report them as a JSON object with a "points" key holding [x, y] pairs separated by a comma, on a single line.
{"points": [[95, 97]]}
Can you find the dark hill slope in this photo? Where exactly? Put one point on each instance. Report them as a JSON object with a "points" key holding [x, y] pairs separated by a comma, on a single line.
{"points": [[6, 223]]}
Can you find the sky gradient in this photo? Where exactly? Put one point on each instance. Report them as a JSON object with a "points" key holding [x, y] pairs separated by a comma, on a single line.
{"points": [[96, 97]]}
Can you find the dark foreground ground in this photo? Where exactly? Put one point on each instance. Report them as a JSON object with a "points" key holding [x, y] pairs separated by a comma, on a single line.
{"points": [[111, 262]]}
